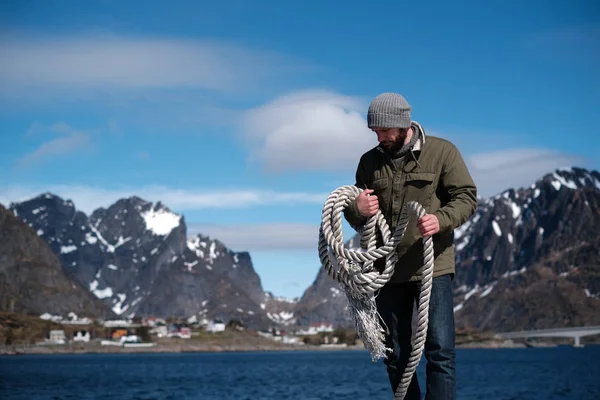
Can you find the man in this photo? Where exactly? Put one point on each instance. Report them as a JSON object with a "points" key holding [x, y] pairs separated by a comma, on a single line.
{"points": [[409, 165]]}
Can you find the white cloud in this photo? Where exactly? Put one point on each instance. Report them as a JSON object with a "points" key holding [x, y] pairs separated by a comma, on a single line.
{"points": [[321, 130], [87, 198], [309, 130], [68, 141], [159, 84], [496, 171], [106, 62], [259, 237]]}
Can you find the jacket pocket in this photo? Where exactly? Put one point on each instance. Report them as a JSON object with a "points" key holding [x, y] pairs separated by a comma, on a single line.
{"points": [[420, 187], [379, 184]]}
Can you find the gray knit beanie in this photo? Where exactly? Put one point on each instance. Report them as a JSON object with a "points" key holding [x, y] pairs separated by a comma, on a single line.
{"points": [[389, 110]]}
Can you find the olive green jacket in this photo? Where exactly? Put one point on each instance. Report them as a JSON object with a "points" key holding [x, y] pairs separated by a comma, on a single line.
{"points": [[435, 175]]}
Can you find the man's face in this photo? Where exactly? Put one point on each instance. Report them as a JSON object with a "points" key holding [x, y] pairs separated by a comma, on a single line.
{"points": [[391, 138]]}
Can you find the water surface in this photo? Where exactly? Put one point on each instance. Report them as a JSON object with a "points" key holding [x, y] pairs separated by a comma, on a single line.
{"points": [[491, 374]]}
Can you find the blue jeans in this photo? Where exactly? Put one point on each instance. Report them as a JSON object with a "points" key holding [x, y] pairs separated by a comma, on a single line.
{"points": [[395, 303]]}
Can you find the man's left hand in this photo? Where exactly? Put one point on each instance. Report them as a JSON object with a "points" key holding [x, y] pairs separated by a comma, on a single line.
{"points": [[428, 225]]}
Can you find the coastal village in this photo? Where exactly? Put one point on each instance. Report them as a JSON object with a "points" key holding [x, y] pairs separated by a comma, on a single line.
{"points": [[151, 331], [46, 333]]}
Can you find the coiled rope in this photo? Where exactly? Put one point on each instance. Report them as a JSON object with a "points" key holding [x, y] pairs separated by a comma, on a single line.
{"points": [[360, 281]]}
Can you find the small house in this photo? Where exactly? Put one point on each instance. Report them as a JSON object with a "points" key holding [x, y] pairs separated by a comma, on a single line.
{"points": [[57, 337], [216, 325], [81, 336]]}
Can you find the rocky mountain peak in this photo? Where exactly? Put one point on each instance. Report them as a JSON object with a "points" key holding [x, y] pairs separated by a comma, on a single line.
{"points": [[135, 256], [552, 224], [50, 214], [521, 245], [573, 178], [134, 212]]}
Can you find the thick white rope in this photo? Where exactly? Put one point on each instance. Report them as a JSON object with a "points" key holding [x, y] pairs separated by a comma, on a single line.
{"points": [[356, 275]]}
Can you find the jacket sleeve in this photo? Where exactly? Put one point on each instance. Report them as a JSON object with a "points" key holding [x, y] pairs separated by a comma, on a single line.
{"points": [[351, 213], [459, 190]]}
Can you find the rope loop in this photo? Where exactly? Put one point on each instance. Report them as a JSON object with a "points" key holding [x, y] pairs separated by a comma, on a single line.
{"points": [[355, 268]]}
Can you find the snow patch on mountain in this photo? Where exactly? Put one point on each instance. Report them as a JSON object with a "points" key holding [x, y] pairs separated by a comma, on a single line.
{"points": [[100, 293], [283, 317], [109, 247], [118, 308], [561, 181], [160, 221], [496, 227], [196, 245], [67, 249], [281, 299]]}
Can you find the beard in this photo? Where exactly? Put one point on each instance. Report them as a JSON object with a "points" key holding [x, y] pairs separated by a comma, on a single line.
{"points": [[394, 145]]}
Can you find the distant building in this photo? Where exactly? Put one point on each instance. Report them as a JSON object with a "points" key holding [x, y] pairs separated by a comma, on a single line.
{"points": [[179, 330], [315, 328], [81, 336], [216, 325], [72, 319], [130, 339], [153, 321], [120, 324], [291, 339], [116, 334], [185, 332], [160, 331], [57, 337]]}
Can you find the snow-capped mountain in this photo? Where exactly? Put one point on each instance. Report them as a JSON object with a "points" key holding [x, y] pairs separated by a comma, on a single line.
{"points": [[117, 252], [135, 256], [530, 258], [527, 258]]}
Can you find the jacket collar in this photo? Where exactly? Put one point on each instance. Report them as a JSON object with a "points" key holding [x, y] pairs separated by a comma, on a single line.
{"points": [[412, 159], [421, 142]]}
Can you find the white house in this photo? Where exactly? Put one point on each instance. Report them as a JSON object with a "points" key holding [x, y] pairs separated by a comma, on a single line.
{"points": [[160, 330], [57, 337], [216, 325], [313, 329], [81, 336]]}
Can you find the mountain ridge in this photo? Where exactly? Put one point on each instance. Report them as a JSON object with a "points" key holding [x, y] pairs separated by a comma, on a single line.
{"points": [[498, 243], [202, 277]]}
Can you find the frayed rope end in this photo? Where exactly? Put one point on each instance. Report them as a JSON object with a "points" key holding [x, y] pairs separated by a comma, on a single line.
{"points": [[363, 310]]}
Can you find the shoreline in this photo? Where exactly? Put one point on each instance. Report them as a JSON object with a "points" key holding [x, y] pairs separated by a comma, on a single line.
{"points": [[160, 348], [179, 347]]}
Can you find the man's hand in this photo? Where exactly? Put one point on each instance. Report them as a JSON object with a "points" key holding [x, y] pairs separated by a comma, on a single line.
{"points": [[368, 205], [428, 225]]}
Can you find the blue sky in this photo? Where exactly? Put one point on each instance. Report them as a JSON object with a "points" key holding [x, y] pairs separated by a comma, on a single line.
{"points": [[244, 116]]}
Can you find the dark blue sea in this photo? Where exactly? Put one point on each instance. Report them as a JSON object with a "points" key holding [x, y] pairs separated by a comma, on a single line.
{"points": [[490, 374]]}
